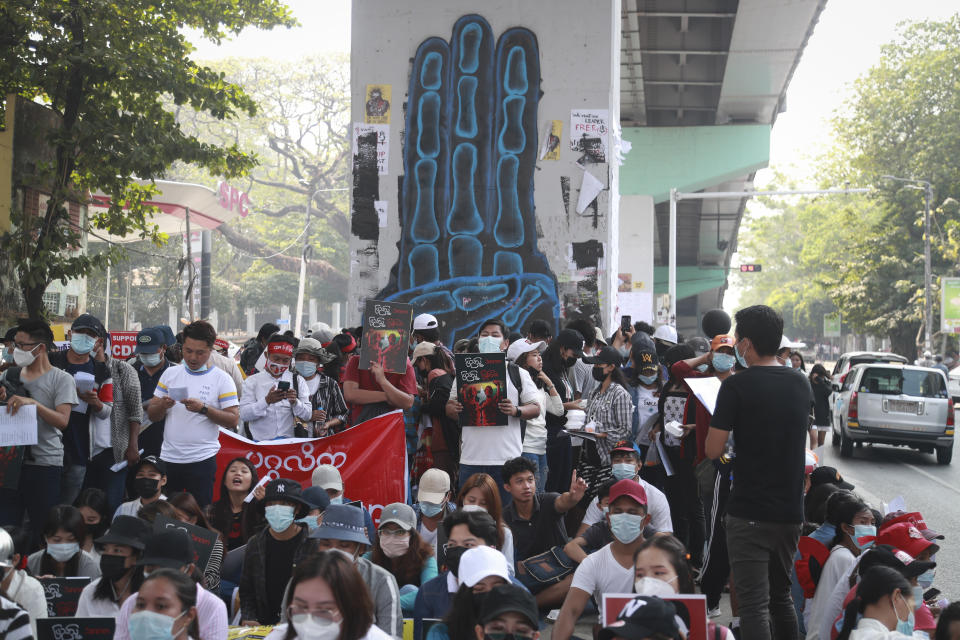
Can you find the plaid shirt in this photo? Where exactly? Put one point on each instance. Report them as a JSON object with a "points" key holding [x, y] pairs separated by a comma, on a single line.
{"points": [[329, 397], [612, 410]]}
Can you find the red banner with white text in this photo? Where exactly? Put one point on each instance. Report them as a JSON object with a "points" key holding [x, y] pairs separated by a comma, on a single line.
{"points": [[371, 458]]}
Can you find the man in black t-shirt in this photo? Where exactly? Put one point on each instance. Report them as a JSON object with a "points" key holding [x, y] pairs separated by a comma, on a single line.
{"points": [[766, 408]]}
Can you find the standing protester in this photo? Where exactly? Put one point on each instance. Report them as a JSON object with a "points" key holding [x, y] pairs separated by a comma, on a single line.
{"points": [[34, 381], [192, 436], [820, 382], [373, 392], [6, 361], [87, 334], [150, 365], [539, 331], [766, 409], [582, 373], [559, 358], [275, 399], [425, 329], [252, 349], [436, 373], [326, 400]]}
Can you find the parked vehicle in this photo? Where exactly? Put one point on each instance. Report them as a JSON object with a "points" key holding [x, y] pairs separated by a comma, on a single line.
{"points": [[953, 384], [849, 360], [896, 404]]}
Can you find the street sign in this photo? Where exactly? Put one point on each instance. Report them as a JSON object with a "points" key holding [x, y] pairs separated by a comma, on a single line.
{"points": [[831, 325], [950, 305], [750, 268]]}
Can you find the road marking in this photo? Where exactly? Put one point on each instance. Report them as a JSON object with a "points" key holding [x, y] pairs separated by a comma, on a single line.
{"points": [[932, 477]]}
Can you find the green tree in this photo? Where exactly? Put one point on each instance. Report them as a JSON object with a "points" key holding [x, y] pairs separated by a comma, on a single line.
{"points": [[105, 68]]}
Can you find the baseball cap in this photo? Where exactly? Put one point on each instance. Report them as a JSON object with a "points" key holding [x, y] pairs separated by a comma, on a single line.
{"points": [[423, 349], [220, 343], [699, 345], [642, 617], [434, 486], [168, 338], [570, 339], [126, 530], [87, 321], [523, 346], [153, 461], [828, 475], [885, 555], [915, 518], [314, 348], [425, 321], [317, 497], [171, 548], [722, 341], [321, 332], [342, 522], [507, 598], [630, 488], [149, 340], [645, 360], [598, 336], [623, 445], [904, 536], [666, 333], [400, 514], [482, 562], [286, 490], [607, 355], [327, 476]]}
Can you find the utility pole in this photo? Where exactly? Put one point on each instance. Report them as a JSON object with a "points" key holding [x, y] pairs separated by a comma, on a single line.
{"points": [[297, 323]]}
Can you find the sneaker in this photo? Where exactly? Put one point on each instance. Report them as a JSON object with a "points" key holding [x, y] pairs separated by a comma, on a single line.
{"points": [[714, 613]]}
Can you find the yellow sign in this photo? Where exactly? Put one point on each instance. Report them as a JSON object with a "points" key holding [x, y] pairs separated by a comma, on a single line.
{"points": [[550, 149], [59, 332], [376, 108]]}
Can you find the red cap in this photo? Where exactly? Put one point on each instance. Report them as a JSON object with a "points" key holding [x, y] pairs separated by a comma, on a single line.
{"points": [[915, 518], [904, 536], [220, 343], [624, 445], [629, 488]]}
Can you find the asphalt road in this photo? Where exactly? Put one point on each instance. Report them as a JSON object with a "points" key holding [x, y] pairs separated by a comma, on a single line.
{"points": [[882, 473]]}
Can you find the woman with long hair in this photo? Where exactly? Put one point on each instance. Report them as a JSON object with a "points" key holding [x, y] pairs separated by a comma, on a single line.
{"points": [[166, 606], [328, 599], [120, 576], [236, 520], [821, 384], [885, 602], [96, 513], [480, 493], [439, 444], [526, 355], [558, 360], [62, 557], [401, 551], [189, 511]]}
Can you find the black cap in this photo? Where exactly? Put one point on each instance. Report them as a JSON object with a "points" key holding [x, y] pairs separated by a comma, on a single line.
{"points": [[168, 338], [508, 598], [126, 530], [607, 355], [317, 497], [642, 617], [87, 321], [699, 345], [171, 548], [153, 461], [885, 555], [570, 339], [287, 490], [149, 340], [828, 475]]}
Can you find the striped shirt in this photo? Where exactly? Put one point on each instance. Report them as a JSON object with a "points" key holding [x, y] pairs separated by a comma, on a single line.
{"points": [[14, 621]]}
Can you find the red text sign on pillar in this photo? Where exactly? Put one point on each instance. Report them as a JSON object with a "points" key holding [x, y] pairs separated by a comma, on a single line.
{"points": [[233, 199]]}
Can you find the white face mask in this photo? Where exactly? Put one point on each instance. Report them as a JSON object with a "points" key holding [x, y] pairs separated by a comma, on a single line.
{"points": [[473, 507], [24, 358], [311, 627], [648, 586]]}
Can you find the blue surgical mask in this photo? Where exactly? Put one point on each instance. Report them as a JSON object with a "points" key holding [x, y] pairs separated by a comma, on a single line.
{"points": [[864, 531], [337, 500], [624, 470], [740, 359], [279, 517], [624, 352], [648, 379], [62, 551], [197, 370], [82, 343], [429, 509], [306, 369], [310, 521], [489, 344], [150, 625], [701, 368], [904, 626], [723, 362], [151, 359], [7, 354], [626, 527], [925, 579], [917, 597]]}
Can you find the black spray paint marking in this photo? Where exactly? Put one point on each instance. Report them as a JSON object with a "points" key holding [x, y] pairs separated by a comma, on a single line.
{"points": [[364, 223], [565, 193], [586, 255]]}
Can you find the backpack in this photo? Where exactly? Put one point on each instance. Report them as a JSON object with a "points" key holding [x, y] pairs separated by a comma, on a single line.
{"points": [[249, 353], [12, 383], [809, 566], [513, 371], [14, 455]]}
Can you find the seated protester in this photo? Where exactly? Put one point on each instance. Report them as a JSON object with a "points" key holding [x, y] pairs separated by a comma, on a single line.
{"points": [[948, 624], [815, 510], [328, 477], [645, 617], [400, 551], [269, 557], [92, 504], [326, 400], [625, 463], [611, 569], [235, 519], [268, 411], [328, 599], [433, 505], [885, 600], [63, 531], [319, 501], [507, 611], [370, 391], [187, 510], [343, 528], [14, 621], [917, 542], [17, 585], [149, 479], [536, 520], [165, 606], [464, 530], [855, 533], [662, 570], [120, 575], [481, 569], [480, 493], [171, 552]]}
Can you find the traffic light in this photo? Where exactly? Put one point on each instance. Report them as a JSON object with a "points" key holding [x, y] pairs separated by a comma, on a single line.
{"points": [[749, 268]]}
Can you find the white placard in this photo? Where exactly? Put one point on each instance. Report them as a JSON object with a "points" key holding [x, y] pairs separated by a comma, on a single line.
{"points": [[706, 390], [19, 428], [589, 132], [264, 480], [381, 206], [178, 394]]}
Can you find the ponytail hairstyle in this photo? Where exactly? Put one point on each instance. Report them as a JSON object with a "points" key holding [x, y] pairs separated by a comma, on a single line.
{"points": [[877, 583]]}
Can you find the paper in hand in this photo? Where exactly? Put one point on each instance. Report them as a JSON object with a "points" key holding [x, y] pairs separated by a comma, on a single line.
{"points": [[19, 428], [85, 383], [264, 480], [178, 394]]}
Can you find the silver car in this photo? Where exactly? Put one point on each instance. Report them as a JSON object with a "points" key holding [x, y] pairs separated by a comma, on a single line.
{"points": [[895, 404]]}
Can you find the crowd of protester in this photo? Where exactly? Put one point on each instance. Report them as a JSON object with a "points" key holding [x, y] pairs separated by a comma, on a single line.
{"points": [[610, 476]]}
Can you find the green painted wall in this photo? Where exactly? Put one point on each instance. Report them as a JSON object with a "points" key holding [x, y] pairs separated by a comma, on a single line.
{"points": [[691, 280]]}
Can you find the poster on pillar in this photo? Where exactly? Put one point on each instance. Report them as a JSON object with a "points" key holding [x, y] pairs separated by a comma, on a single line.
{"points": [[589, 129]]}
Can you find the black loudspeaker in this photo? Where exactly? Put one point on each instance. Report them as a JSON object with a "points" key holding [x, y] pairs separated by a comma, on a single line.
{"points": [[715, 322]]}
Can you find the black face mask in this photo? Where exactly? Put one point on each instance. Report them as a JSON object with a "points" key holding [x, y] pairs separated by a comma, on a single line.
{"points": [[97, 530], [453, 558], [569, 362], [146, 487], [112, 567], [598, 374]]}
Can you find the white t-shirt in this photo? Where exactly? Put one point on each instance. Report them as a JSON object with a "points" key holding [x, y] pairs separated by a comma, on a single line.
{"points": [[190, 436], [131, 508], [428, 536], [657, 506], [535, 437], [87, 607], [496, 445], [600, 573], [834, 605], [648, 410], [312, 384], [840, 562]]}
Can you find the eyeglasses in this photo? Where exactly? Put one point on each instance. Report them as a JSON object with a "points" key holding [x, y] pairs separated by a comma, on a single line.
{"points": [[327, 613], [394, 533], [470, 544], [26, 346]]}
